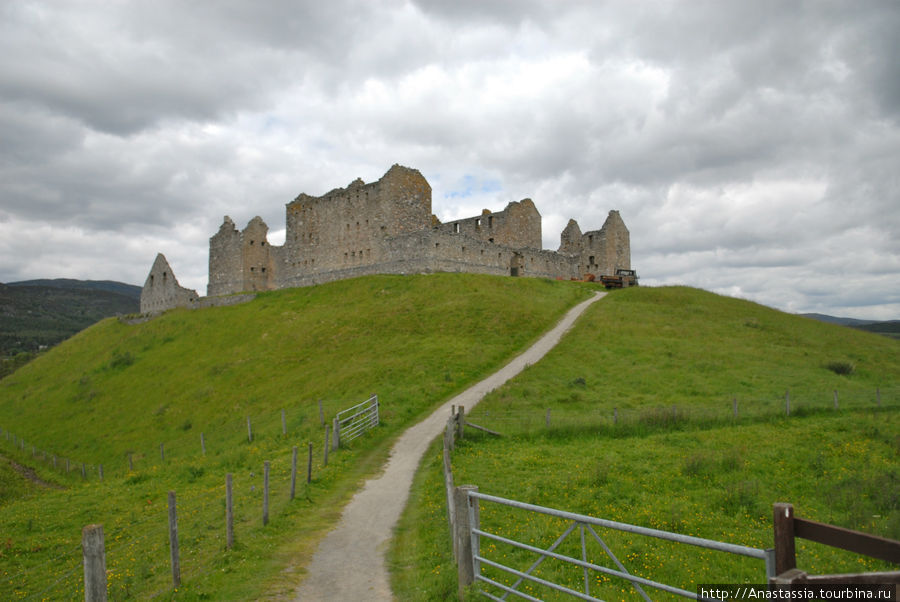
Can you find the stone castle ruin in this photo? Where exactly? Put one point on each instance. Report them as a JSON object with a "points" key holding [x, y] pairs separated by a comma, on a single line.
{"points": [[386, 227]]}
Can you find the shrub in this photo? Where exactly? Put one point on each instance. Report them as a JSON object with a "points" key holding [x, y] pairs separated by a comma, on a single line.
{"points": [[842, 368]]}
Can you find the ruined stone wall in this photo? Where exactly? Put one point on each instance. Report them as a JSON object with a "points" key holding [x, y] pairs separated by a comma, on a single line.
{"points": [[225, 260], [518, 225], [387, 227], [161, 289], [346, 228], [257, 265]]}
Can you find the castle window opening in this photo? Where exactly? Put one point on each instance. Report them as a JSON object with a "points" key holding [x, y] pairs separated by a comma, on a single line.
{"points": [[490, 240], [251, 242], [491, 222], [591, 242], [252, 269], [436, 245], [456, 228], [477, 222], [263, 270], [262, 244], [591, 260]]}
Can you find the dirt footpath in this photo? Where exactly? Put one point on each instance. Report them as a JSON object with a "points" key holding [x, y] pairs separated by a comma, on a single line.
{"points": [[350, 562]]}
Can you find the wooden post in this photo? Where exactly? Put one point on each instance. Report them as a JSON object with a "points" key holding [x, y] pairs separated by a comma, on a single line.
{"points": [[787, 402], [327, 443], [547, 418], [734, 410], [309, 465], [54, 461], [336, 434], [83, 471], [249, 431], [162, 452], [100, 470], [835, 399], [94, 552], [464, 523], [229, 513], [202, 444], [173, 541], [461, 422], [130, 463], [266, 493], [321, 414], [283, 423], [783, 521], [294, 472], [67, 466]]}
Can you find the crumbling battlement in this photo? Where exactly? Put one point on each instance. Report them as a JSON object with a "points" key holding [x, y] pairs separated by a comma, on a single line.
{"points": [[388, 227]]}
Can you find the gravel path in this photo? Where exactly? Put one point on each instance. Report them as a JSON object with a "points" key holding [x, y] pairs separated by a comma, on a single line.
{"points": [[349, 563]]}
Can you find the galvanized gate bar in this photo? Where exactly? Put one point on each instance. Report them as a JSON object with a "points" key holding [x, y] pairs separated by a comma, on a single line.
{"points": [[359, 420], [538, 562], [618, 563], [678, 537], [544, 582], [600, 569]]}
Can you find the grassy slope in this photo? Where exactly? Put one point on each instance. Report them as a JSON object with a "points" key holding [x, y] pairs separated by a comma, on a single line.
{"points": [[116, 389], [643, 351]]}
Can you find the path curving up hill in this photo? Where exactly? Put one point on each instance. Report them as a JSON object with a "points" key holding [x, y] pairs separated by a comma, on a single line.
{"points": [[349, 563]]}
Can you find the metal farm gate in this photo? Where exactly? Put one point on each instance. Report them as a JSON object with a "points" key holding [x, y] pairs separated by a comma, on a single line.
{"points": [[584, 525], [353, 422]]}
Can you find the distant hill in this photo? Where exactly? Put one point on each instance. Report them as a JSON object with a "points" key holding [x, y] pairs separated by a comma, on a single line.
{"points": [[41, 313], [129, 290], [889, 328]]}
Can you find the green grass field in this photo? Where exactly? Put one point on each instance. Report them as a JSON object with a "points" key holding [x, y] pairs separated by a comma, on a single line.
{"points": [[670, 362], [119, 390]]}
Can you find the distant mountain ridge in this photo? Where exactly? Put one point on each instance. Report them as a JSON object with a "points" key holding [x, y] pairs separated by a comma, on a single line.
{"points": [[36, 314], [129, 290], [889, 328]]}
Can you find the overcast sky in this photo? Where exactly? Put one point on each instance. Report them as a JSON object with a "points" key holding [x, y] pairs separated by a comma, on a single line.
{"points": [[752, 148]]}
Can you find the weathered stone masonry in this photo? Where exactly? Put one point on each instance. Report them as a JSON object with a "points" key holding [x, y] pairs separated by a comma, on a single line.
{"points": [[388, 227]]}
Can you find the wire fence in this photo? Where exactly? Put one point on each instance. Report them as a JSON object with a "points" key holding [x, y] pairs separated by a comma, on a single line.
{"points": [[43, 565], [564, 417]]}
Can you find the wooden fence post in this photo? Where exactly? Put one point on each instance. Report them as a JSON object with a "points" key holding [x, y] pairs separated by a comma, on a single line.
{"points": [[327, 443], [465, 564], [173, 541], [202, 444], [309, 465], [835, 399], [734, 409], [787, 402], [461, 422], [547, 418], [283, 423], [83, 471], [783, 522], [249, 431], [294, 472], [94, 552], [229, 513], [130, 463], [100, 471], [162, 452], [336, 434], [67, 466], [266, 493]]}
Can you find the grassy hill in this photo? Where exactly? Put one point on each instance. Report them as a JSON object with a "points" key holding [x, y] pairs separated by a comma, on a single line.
{"points": [[641, 399], [117, 392]]}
